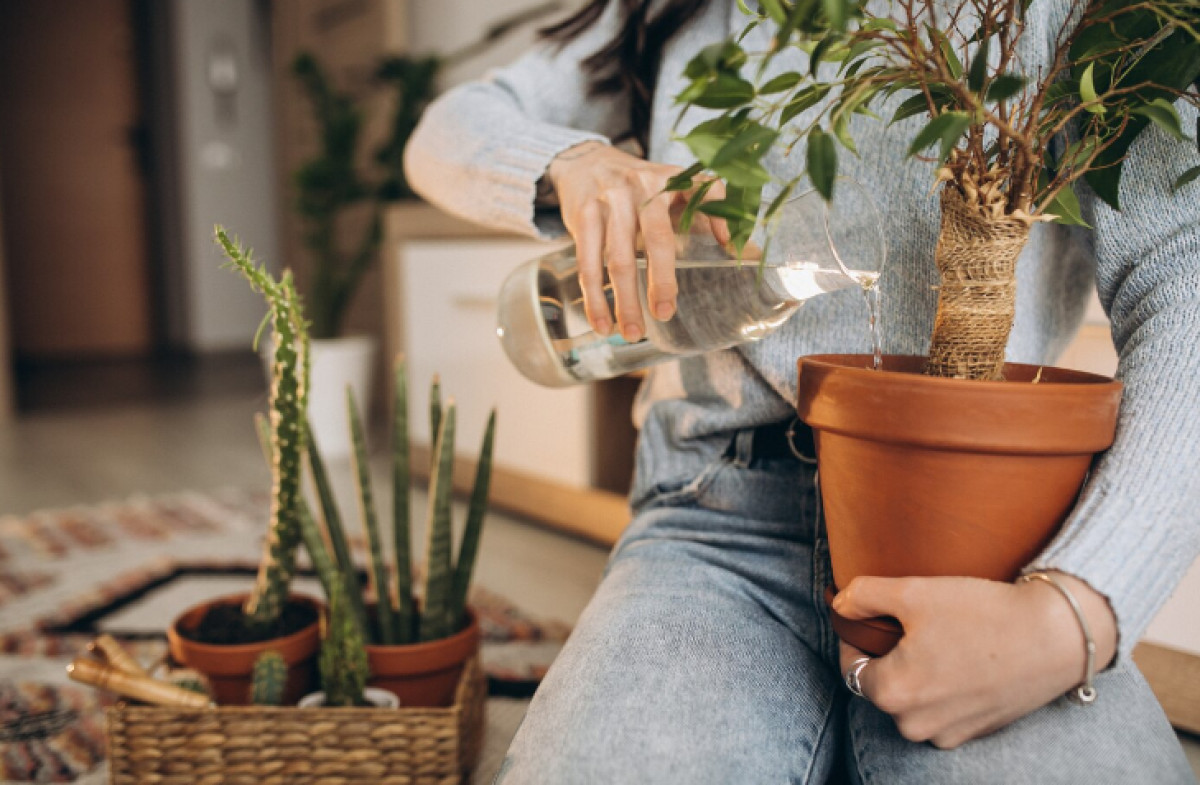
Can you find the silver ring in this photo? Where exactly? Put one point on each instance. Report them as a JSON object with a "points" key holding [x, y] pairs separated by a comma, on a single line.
{"points": [[852, 675]]}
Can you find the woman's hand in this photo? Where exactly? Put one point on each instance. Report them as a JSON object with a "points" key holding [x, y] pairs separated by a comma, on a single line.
{"points": [[976, 654], [609, 198]]}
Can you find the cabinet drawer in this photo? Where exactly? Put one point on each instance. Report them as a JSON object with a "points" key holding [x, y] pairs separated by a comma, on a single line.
{"points": [[449, 324]]}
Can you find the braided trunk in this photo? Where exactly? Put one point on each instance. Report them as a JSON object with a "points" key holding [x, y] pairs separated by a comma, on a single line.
{"points": [[977, 259]]}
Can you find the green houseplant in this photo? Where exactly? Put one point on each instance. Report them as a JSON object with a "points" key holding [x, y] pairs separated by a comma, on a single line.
{"points": [[417, 651], [224, 638], [1007, 150]]}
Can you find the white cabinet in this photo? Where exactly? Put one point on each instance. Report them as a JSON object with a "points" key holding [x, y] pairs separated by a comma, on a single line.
{"points": [[562, 457], [449, 313]]}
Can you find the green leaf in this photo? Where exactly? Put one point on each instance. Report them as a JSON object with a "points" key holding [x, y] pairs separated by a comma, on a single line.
{"points": [[1065, 208], [781, 83], [841, 129], [725, 91], [978, 71], [750, 143], [879, 23], [1005, 86], [1163, 114], [805, 99], [822, 162], [1087, 90], [683, 180], [1187, 177], [707, 138], [943, 45], [836, 12], [774, 9], [819, 52], [724, 56], [689, 210], [911, 106], [730, 211], [947, 127]]}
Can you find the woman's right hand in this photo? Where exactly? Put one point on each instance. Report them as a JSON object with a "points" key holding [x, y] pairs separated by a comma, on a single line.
{"points": [[608, 198]]}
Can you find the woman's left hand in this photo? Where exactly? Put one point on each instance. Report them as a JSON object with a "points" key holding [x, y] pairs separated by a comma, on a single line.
{"points": [[976, 654]]}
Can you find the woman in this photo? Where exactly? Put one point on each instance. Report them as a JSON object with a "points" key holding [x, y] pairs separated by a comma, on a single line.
{"points": [[706, 655]]}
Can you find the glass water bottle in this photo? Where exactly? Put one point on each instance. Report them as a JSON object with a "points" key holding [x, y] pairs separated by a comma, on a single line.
{"points": [[814, 247]]}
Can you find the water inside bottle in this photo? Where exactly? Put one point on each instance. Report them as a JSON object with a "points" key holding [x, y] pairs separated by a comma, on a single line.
{"points": [[720, 303]]}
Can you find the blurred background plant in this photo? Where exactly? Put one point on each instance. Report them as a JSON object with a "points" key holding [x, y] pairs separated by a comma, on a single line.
{"points": [[331, 182]]}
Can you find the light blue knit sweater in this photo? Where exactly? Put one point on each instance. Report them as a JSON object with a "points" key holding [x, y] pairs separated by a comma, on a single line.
{"points": [[481, 148]]}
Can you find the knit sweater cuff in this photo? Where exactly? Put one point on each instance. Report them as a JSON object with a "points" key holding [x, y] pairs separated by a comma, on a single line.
{"points": [[1103, 524], [518, 165]]}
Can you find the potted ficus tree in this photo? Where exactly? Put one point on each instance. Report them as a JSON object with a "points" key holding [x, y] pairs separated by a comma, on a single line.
{"points": [[224, 637], [910, 454]]}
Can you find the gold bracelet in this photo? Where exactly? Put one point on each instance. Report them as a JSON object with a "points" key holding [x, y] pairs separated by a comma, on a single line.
{"points": [[1085, 693]]}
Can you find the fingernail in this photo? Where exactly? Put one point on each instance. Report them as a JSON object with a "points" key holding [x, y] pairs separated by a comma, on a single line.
{"points": [[631, 333], [664, 310]]}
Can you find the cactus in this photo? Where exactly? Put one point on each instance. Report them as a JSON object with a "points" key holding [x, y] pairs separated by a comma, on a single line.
{"points": [[464, 565], [401, 504], [343, 660], [439, 576], [446, 579], [333, 525], [269, 678], [288, 402], [379, 576]]}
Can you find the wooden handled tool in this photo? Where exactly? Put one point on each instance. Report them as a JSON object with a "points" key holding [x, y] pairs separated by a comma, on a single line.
{"points": [[143, 688], [107, 648]]}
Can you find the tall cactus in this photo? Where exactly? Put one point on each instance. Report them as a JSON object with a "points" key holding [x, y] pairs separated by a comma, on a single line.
{"points": [[268, 679], [439, 575], [288, 402], [343, 661]]}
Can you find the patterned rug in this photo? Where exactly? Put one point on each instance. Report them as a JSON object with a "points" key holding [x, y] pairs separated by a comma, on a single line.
{"points": [[122, 567]]}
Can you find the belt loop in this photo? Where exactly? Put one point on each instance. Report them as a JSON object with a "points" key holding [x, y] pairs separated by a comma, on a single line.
{"points": [[743, 446]]}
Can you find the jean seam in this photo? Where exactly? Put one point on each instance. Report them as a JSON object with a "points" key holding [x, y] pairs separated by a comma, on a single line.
{"points": [[826, 727]]}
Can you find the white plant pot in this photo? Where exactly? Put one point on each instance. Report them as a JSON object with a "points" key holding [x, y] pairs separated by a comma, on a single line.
{"points": [[377, 697], [336, 363]]}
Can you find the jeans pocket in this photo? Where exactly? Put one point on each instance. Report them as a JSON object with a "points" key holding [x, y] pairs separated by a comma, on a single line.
{"points": [[680, 492]]}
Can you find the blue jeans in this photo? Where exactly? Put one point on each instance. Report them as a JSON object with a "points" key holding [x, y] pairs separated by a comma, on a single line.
{"points": [[707, 656]]}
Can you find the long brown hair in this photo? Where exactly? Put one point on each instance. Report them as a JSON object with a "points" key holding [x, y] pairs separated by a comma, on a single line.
{"points": [[628, 64]]}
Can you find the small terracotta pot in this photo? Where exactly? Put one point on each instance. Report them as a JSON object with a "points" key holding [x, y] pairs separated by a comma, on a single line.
{"points": [[924, 476], [230, 668], [424, 674]]}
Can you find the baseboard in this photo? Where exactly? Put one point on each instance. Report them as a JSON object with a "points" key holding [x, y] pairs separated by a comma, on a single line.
{"points": [[1174, 675], [590, 513]]}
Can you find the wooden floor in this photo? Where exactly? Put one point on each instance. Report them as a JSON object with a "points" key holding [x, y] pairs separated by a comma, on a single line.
{"points": [[188, 427]]}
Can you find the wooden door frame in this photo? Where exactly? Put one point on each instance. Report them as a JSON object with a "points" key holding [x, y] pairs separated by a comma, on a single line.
{"points": [[7, 393]]}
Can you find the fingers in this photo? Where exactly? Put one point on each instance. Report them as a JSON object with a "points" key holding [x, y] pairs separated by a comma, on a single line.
{"points": [[620, 239], [868, 597], [588, 232], [659, 236]]}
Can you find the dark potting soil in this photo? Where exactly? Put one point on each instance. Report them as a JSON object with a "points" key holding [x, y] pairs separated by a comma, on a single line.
{"points": [[225, 625]]}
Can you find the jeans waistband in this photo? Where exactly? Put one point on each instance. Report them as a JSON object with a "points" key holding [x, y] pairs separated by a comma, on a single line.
{"points": [[786, 440]]}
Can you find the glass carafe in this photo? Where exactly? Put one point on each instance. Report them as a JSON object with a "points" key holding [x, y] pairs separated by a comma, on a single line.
{"points": [[810, 247]]}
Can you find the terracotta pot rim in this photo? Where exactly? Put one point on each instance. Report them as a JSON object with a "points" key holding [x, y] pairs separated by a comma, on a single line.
{"points": [[411, 658], [1066, 413], [860, 366], [297, 638]]}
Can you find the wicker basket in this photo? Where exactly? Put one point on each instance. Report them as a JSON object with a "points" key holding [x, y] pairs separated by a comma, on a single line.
{"points": [[263, 745]]}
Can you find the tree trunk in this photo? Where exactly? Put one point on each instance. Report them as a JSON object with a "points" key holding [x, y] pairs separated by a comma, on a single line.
{"points": [[977, 259]]}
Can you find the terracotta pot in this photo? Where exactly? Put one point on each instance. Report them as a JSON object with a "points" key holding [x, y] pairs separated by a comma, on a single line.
{"points": [[924, 476], [229, 668], [424, 674]]}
